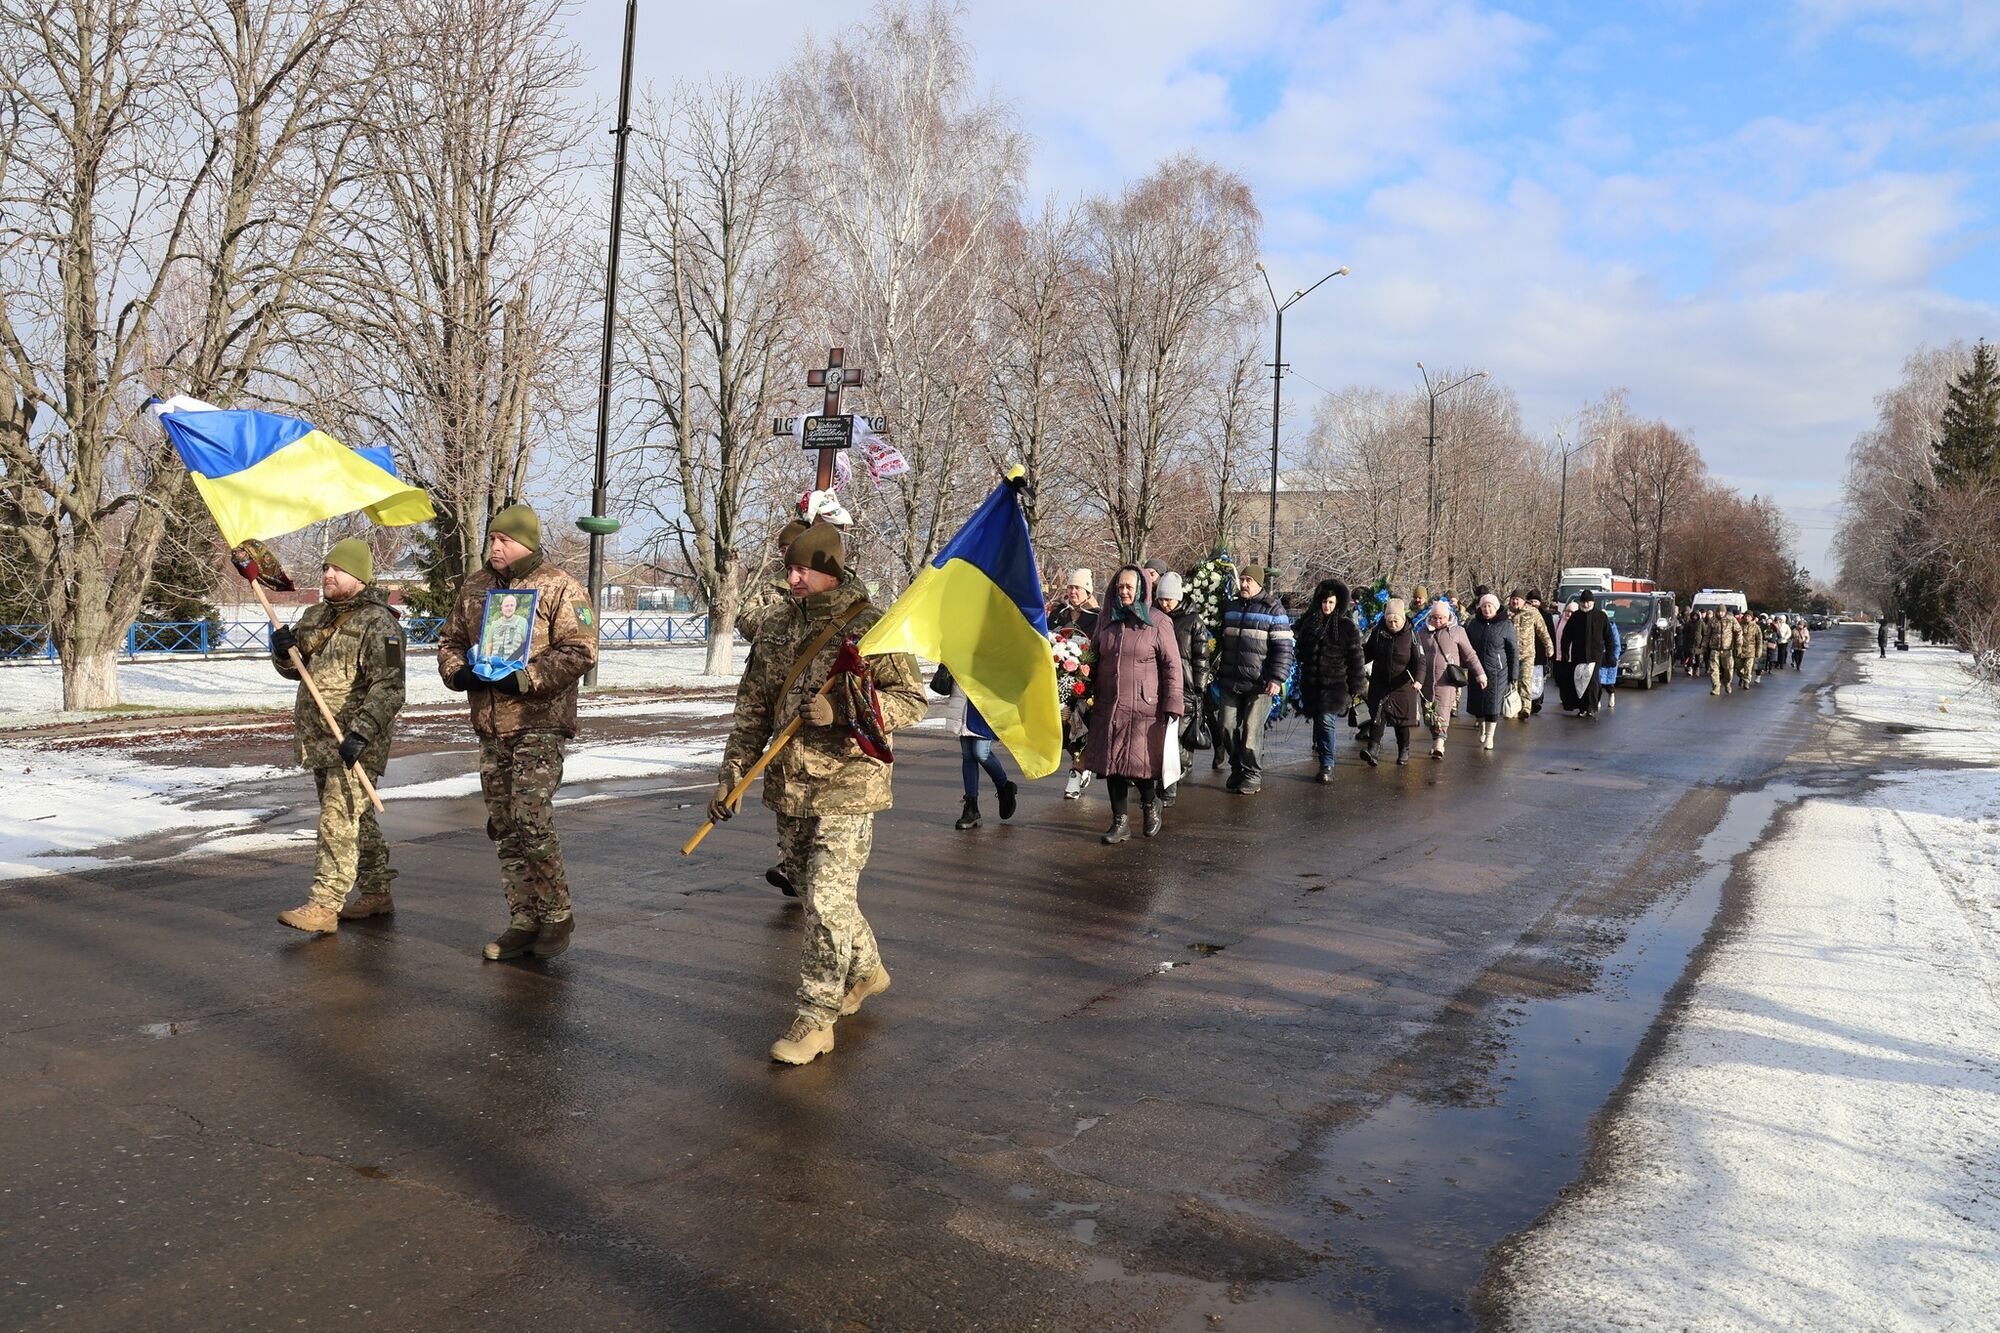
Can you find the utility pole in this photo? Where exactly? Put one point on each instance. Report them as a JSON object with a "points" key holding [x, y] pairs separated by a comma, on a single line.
{"points": [[597, 523], [1431, 487], [1277, 389]]}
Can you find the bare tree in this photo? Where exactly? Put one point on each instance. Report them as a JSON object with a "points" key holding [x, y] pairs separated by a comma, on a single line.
{"points": [[1032, 372], [455, 322], [1168, 268], [910, 177], [161, 182], [711, 315]]}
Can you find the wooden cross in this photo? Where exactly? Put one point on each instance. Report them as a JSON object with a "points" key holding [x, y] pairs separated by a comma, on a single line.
{"points": [[833, 379]]}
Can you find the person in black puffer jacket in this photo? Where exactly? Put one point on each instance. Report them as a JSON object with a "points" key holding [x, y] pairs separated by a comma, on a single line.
{"points": [[1253, 660], [1330, 675]]}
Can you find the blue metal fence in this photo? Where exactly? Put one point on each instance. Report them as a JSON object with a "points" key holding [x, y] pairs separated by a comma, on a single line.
{"points": [[202, 637]]}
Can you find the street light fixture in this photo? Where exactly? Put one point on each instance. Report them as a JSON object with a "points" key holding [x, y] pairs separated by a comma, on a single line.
{"points": [[1277, 384], [1431, 443], [1562, 504]]}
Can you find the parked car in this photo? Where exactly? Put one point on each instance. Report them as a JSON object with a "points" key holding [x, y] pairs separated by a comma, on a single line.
{"points": [[1646, 622]]}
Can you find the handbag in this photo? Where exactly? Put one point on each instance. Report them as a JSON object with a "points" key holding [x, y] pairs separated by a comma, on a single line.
{"points": [[1454, 675], [942, 681], [1510, 704]]}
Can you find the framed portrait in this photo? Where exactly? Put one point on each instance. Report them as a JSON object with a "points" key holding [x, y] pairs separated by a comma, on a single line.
{"points": [[506, 632]]}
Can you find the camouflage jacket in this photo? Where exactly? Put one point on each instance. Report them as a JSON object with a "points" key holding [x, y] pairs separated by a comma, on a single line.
{"points": [[822, 771], [354, 653], [1749, 639], [565, 646], [1531, 632]]}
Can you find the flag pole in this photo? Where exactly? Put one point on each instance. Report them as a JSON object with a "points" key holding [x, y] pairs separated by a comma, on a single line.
{"points": [[305, 679], [743, 783]]}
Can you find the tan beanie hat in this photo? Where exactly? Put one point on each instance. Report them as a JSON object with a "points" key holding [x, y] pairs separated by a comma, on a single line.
{"points": [[1081, 578], [352, 557]]}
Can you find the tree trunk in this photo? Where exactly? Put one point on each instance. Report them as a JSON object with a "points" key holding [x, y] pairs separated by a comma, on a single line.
{"points": [[88, 643], [722, 619]]}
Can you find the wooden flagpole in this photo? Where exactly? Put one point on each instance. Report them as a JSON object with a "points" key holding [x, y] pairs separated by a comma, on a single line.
{"points": [[743, 783], [305, 678]]}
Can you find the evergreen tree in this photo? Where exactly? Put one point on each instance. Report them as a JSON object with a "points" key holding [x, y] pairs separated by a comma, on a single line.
{"points": [[1968, 447], [181, 587]]}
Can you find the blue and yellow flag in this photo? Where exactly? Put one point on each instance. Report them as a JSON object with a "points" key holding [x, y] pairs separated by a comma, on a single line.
{"points": [[978, 609], [263, 475]]}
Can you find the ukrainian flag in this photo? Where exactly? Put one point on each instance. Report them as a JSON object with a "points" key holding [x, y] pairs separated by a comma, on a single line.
{"points": [[978, 609], [263, 475]]}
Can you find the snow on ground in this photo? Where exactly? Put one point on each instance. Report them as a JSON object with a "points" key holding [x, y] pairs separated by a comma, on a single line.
{"points": [[1817, 1144], [594, 763], [31, 692], [68, 802]]}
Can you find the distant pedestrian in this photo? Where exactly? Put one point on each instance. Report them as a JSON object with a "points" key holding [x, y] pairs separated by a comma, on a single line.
{"points": [[1497, 644], [1395, 657], [1330, 668], [1191, 638], [975, 751], [1882, 637], [1533, 642], [1801, 640], [1607, 674], [1586, 635], [352, 644], [1078, 611], [1721, 648], [1139, 703], [1450, 665], [1253, 659], [523, 719]]}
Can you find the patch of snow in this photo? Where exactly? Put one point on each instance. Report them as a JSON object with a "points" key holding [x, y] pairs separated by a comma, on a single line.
{"points": [[1817, 1143], [63, 803]]}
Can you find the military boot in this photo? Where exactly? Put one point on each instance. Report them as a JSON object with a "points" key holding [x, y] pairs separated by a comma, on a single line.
{"points": [[517, 939], [367, 905], [873, 984], [312, 919], [552, 937], [803, 1041], [1120, 831], [779, 880]]}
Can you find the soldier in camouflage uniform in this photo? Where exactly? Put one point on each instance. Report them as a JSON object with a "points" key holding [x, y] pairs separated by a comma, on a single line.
{"points": [[1536, 645], [1749, 648], [352, 644], [824, 786], [1720, 646], [522, 719]]}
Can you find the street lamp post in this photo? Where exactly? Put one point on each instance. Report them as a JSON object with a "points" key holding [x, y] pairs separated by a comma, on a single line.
{"points": [[1277, 383], [1431, 445], [1562, 503]]}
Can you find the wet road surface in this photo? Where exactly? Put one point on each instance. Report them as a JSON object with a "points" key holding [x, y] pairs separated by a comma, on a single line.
{"points": [[1152, 1086]]}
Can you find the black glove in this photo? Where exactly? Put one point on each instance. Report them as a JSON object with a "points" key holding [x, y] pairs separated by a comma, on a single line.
{"points": [[514, 682], [351, 748], [282, 643], [462, 680]]}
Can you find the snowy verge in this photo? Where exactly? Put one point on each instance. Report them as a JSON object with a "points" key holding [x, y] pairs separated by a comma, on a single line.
{"points": [[31, 694], [1817, 1142]]}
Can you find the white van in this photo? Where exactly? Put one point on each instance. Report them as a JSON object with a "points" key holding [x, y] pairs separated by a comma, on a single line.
{"points": [[1720, 599]]}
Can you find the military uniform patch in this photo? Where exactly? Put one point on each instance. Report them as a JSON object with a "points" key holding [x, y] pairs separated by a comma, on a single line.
{"points": [[392, 651], [583, 616]]}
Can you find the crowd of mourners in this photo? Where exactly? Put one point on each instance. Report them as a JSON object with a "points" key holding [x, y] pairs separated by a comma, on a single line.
{"points": [[1158, 668]]}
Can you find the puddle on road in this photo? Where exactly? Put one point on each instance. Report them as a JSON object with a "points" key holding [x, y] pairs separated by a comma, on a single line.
{"points": [[1407, 1203]]}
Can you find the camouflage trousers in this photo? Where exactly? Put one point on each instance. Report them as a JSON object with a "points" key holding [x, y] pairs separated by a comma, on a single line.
{"points": [[1720, 672], [352, 853], [519, 775], [824, 856]]}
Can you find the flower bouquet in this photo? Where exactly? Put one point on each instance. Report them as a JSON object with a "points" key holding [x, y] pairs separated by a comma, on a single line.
{"points": [[1076, 662]]}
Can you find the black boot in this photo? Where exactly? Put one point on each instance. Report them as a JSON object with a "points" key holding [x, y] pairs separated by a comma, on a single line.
{"points": [[1168, 795], [1325, 775], [1120, 830], [1009, 794], [779, 880], [969, 817], [1368, 755], [1154, 819]]}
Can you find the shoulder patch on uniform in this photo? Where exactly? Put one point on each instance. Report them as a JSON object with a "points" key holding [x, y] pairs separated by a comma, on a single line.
{"points": [[583, 615], [392, 650]]}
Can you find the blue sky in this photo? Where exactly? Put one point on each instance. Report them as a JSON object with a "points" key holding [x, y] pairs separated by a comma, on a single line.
{"points": [[1745, 214]]}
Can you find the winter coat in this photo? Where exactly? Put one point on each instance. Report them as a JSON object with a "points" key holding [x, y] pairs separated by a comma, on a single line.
{"points": [[1585, 636], [823, 771], [354, 653], [564, 647], [1801, 639], [1254, 650], [1065, 616], [960, 716], [1882, 635], [1545, 647], [1442, 648], [1533, 641], [1329, 650], [1191, 637], [1749, 641], [1608, 676], [1395, 664], [1498, 648], [1138, 687]]}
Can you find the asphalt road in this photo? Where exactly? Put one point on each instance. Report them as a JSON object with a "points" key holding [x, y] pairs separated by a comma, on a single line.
{"points": [[212, 1122]]}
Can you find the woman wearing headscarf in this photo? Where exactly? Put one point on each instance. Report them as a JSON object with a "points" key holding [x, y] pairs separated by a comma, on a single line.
{"points": [[1498, 647], [1138, 702], [1445, 647], [1330, 675], [1586, 637], [1395, 658]]}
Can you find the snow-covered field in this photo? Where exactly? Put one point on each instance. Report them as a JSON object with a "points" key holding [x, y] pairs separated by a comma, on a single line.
{"points": [[1817, 1144], [31, 692]]}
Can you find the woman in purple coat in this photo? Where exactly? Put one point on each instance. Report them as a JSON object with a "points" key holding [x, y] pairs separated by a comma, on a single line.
{"points": [[1445, 646], [1137, 701]]}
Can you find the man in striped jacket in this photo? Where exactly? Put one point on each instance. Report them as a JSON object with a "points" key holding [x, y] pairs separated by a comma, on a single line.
{"points": [[1253, 659]]}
